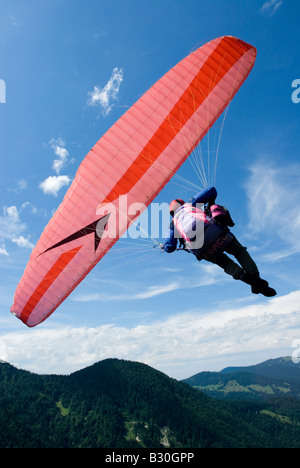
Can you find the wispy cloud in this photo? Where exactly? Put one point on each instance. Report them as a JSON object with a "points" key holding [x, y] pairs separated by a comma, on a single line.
{"points": [[13, 21], [141, 293], [12, 229], [3, 250], [270, 7], [208, 274], [107, 96], [59, 148], [180, 345], [20, 186], [53, 184], [273, 193], [32, 209]]}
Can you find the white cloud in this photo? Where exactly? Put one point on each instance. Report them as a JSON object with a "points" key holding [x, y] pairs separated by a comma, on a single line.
{"points": [[11, 228], [12, 213], [3, 250], [273, 195], [53, 184], [271, 7], [58, 145], [21, 241], [180, 345], [10, 224], [105, 97]]}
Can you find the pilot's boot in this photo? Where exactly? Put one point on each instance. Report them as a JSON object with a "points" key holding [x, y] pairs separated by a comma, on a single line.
{"points": [[258, 285]]}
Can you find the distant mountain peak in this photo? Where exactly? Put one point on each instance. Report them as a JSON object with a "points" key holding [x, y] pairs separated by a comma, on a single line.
{"points": [[272, 378]]}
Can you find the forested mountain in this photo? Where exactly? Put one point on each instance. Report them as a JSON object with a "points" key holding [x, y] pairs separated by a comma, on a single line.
{"points": [[120, 404], [273, 378]]}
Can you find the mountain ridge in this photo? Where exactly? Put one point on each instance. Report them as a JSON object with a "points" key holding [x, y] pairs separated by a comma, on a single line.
{"points": [[271, 378], [117, 403]]}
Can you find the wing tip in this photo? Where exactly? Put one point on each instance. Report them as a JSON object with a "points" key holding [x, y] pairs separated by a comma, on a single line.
{"points": [[244, 45], [20, 318]]}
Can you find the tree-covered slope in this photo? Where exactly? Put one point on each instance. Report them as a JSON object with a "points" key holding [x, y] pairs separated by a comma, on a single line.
{"points": [[127, 404]]}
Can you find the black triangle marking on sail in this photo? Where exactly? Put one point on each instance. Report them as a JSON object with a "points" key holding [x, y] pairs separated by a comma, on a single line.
{"points": [[97, 228]]}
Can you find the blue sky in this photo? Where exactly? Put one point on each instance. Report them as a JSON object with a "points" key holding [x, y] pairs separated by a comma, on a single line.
{"points": [[71, 68]]}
